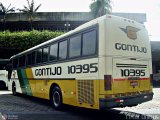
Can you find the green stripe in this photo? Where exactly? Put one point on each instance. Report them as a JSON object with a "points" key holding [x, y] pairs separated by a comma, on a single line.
{"points": [[22, 85], [24, 82]]}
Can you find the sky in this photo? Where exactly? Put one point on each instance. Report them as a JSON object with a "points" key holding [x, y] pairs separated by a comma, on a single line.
{"points": [[150, 7]]}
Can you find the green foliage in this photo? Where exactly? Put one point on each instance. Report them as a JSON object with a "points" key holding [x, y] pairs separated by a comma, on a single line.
{"points": [[100, 7], [24, 39], [30, 9], [6, 10]]}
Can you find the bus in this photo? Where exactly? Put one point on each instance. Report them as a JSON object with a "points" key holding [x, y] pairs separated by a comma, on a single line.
{"points": [[104, 63], [3, 74], [3, 79]]}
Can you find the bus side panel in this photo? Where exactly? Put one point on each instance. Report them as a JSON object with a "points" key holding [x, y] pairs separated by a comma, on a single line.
{"points": [[81, 93], [32, 82], [23, 81], [79, 87], [67, 87]]}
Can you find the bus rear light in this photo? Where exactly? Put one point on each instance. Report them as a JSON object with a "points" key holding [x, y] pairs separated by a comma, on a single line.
{"points": [[108, 82], [119, 101]]}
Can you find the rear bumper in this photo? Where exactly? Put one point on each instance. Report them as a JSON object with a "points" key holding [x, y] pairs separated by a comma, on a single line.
{"points": [[125, 101]]}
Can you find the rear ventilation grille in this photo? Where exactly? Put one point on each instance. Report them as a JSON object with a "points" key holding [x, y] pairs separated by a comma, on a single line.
{"points": [[86, 91]]}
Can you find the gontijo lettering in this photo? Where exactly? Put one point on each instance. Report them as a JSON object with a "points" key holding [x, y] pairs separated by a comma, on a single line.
{"points": [[128, 47], [48, 71]]}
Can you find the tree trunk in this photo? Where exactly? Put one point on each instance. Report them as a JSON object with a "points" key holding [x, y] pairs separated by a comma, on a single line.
{"points": [[4, 23], [31, 25]]}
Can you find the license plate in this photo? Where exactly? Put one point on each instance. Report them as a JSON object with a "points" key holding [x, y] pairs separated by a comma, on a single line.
{"points": [[134, 83]]}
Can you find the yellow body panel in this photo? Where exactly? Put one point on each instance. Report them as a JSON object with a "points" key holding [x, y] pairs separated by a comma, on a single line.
{"points": [[69, 88], [125, 87]]}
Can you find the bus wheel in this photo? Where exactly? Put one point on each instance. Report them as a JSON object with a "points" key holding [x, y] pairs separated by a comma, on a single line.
{"points": [[14, 89], [3, 85], [56, 98]]}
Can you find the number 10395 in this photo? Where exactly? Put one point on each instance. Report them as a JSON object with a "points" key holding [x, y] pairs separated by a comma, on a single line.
{"points": [[132, 72]]}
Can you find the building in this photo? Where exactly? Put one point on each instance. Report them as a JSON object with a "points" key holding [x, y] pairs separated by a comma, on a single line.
{"points": [[63, 21]]}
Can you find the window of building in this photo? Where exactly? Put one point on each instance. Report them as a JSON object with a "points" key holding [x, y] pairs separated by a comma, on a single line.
{"points": [[89, 43], [53, 52], [75, 46], [63, 50]]}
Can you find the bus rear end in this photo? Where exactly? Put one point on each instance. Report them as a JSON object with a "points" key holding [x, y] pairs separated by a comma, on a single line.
{"points": [[127, 64]]}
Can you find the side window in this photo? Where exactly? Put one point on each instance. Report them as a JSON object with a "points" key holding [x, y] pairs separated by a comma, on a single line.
{"points": [[89, 43], [39, 56], [63, 50], [11, 63], [22, 61], [15, 63], [75, 46], [29, 59], [53, 52], [45, 54], [33, 58]]}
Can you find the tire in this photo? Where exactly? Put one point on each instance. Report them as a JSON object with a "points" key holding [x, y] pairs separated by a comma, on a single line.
{"points": [[14, 89], [3, 85], [56, 98]]}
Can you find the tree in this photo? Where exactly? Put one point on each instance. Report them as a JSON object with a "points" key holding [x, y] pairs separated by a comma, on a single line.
{"points": [[4, 11], [100, 7], [30, 10]]}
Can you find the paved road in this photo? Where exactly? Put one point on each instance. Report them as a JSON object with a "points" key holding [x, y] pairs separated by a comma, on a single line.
{"points": [[29, 108], [151, 107]]}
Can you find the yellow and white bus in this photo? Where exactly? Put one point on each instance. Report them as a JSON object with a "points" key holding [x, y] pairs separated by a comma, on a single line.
{"points": [[104, 63]]}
